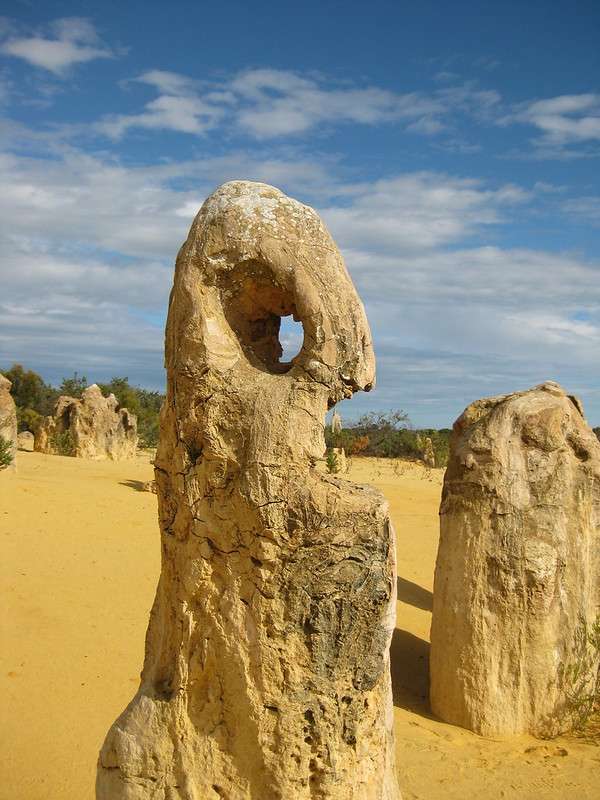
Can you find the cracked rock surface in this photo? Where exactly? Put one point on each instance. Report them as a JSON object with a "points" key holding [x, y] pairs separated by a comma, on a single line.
{"points": [[518, 564], [266, 672]]}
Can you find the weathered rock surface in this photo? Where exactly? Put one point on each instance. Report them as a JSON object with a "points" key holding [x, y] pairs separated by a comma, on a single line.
{"points": [[336, 422], [518, 563], [267, 653], [428, 453], [340, 459], [8, 420], [25, 441], [98, 429]]}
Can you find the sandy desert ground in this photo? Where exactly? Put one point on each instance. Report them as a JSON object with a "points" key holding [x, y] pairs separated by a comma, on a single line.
{"points": [[79, 565]]}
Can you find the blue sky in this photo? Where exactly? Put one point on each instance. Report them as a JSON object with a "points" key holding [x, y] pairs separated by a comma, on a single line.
{"points": [[451, 148]]}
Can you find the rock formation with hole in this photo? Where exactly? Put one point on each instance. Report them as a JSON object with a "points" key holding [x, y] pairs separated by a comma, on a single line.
{"points": [[267, 653], [93, 427], [518, 564], [8, 421]]}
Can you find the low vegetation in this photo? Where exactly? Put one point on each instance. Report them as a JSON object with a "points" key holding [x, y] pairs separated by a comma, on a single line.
{"points": [[331, 462], [389, 435], [63, 443], [378, 434], [6, 456], [584, 674], [34, 399]]}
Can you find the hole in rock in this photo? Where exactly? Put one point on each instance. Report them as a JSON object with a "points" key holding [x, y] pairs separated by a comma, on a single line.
{"points": [[255, 305], [291, 337]]}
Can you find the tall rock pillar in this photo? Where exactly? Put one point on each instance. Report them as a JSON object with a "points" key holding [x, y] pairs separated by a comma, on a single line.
{"points": [[267, 653], [518, 565]]}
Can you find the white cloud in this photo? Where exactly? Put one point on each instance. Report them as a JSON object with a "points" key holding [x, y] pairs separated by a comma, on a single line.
{"points": [[285, 103], [87, 269], [179, 107], [66, 309], [568, 117], [266, 104], [479, 322], [74, 42], [418, 211], [584, 208], [564, 121], [80, 199], [270, 104]]}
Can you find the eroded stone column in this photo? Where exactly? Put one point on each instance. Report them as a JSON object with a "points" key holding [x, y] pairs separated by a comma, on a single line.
{"points": [[518, 565], [267, 654], [8, 421]]}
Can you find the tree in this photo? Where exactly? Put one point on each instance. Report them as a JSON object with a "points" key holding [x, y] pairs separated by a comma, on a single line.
{"points": [[125, 393], [33, 397], [6, 456], [389, 434], [73, 387]]}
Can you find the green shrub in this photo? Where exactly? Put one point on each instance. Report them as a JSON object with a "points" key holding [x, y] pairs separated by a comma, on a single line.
{"points": [[33, 397], [331, 462], [63, 443], [28, 419], [389, 435], [584, 674], [73, 387], [6, 456]]}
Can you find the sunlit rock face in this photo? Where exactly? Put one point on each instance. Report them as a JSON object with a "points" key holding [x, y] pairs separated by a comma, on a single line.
{"points": [[518, 564], [267, 653], [97, 428], [8, 421]]}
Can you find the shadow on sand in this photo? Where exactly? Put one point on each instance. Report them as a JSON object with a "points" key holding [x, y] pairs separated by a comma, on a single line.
{"points": [[136, 485], [409, 658], [414, 595]]}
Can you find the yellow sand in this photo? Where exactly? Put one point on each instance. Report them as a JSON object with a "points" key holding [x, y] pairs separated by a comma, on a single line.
{"points": [[79, 564]]}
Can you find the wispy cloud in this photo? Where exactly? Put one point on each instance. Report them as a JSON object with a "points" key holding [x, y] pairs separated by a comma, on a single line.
{"points": [[564, 123], [275, 103], [71, 40], [268, 104], [419, 211], [265, 104], [567, 118], [98, 241], [179, 107]]}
